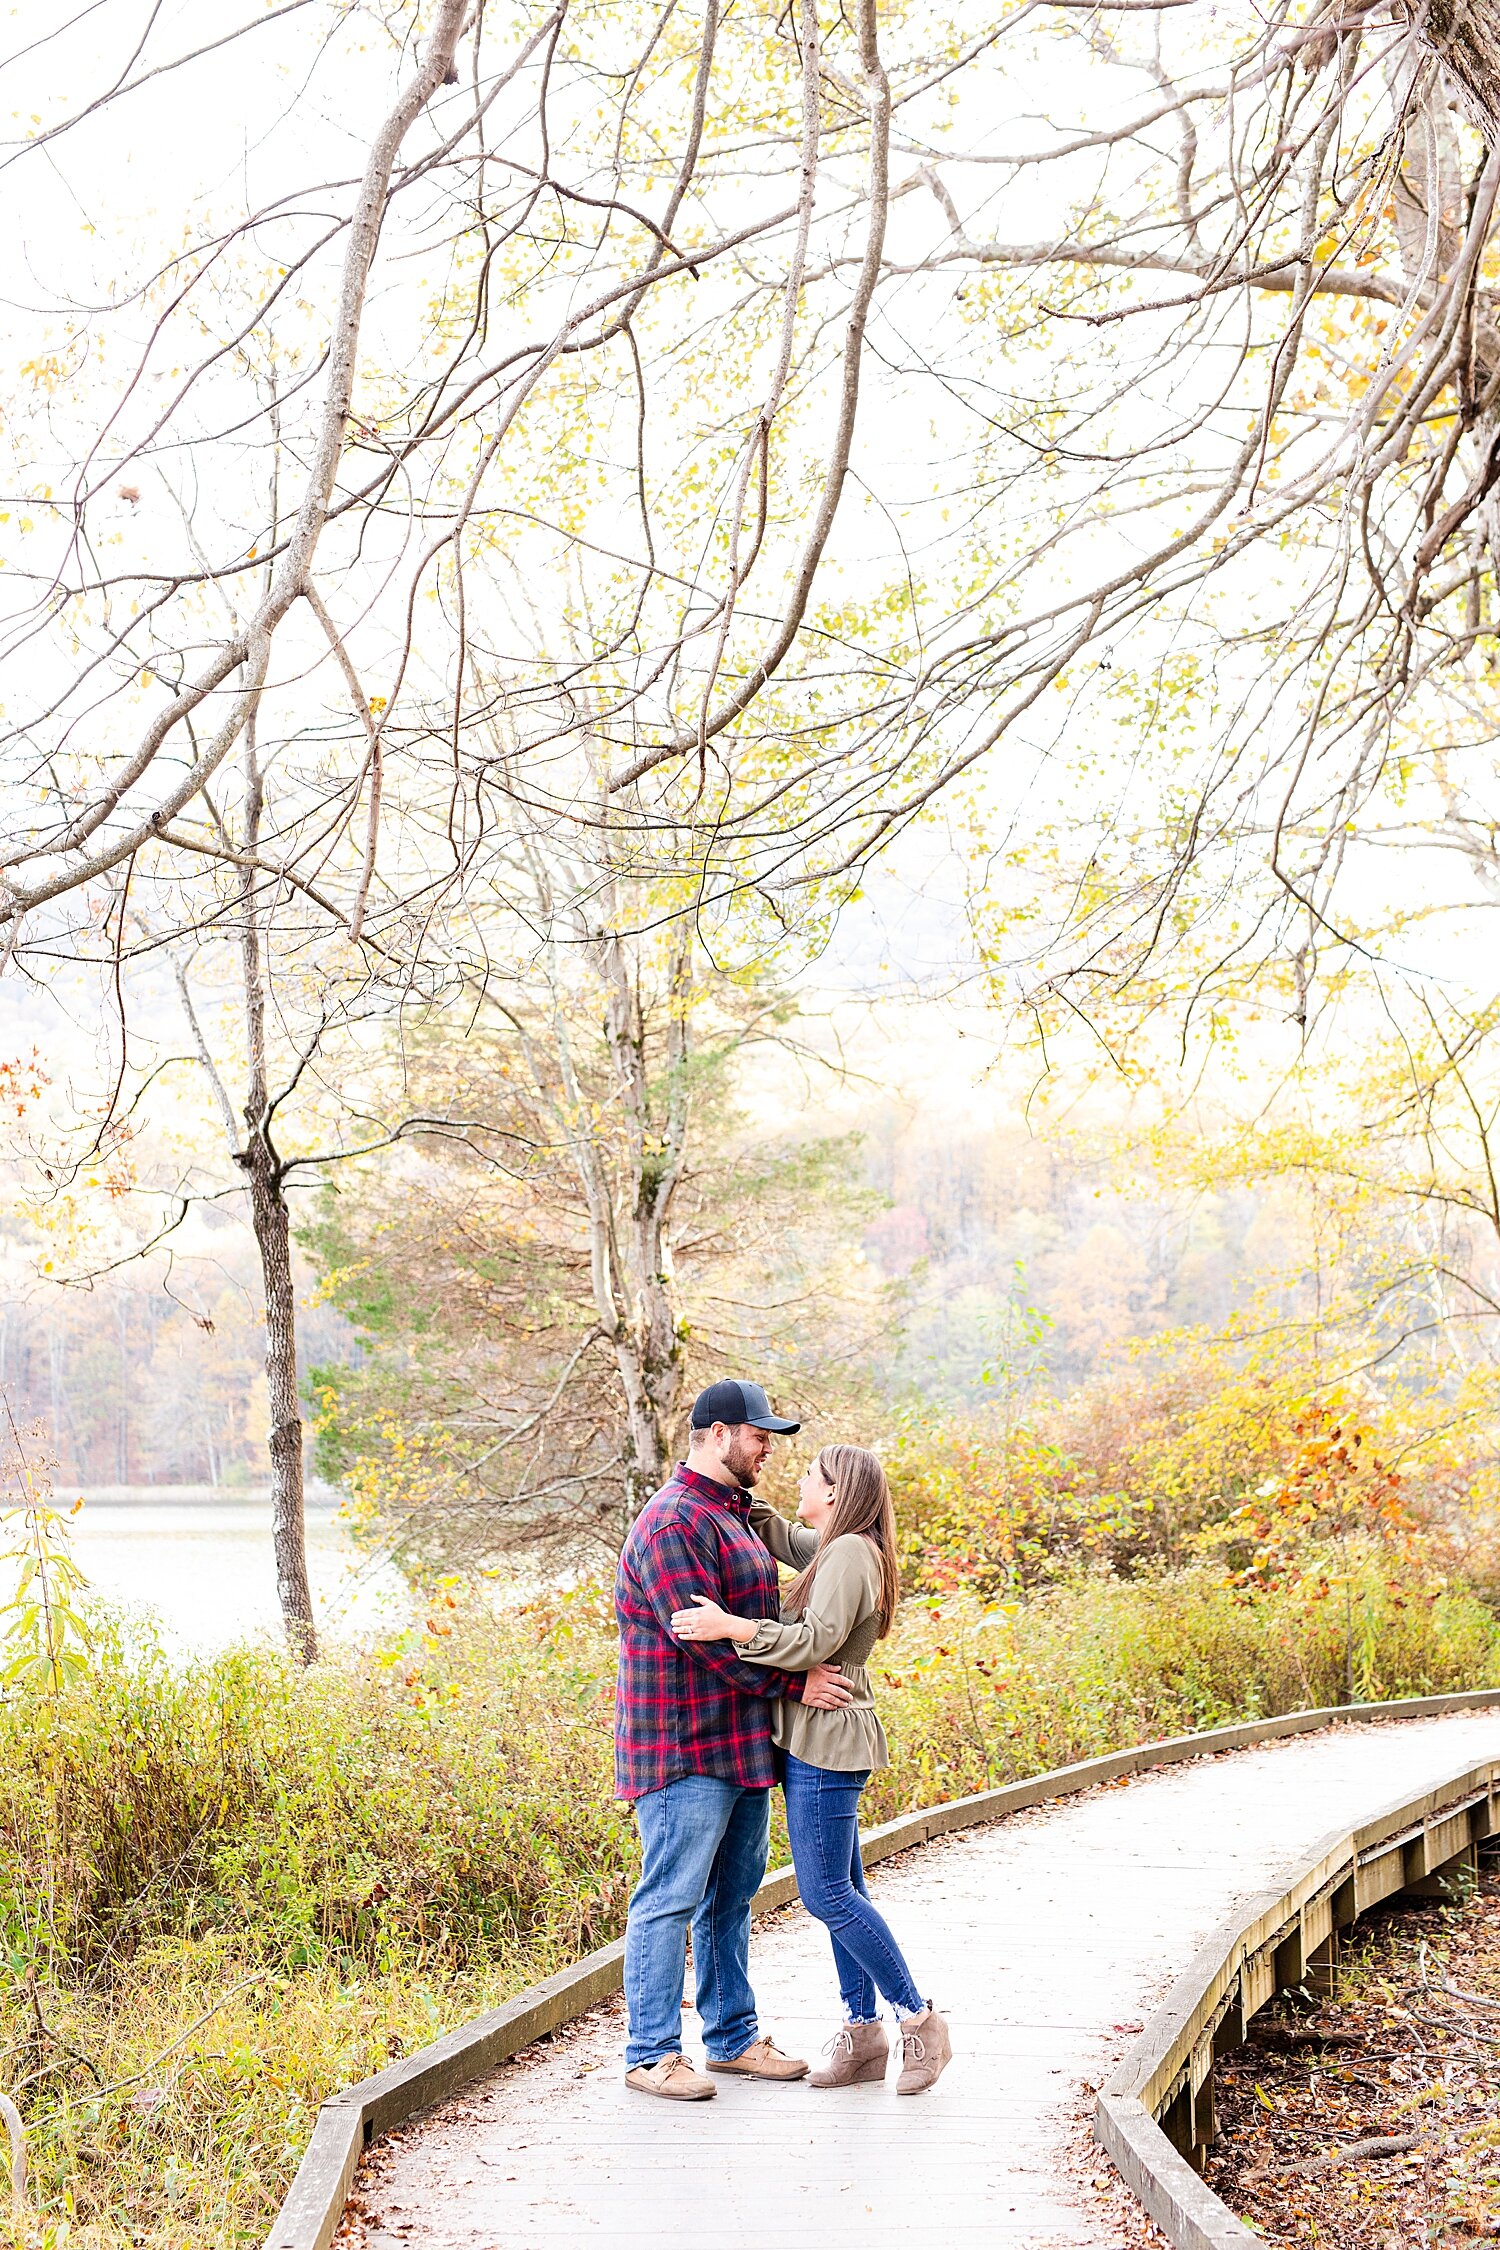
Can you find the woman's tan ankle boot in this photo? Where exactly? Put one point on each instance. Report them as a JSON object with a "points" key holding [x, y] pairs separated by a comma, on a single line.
{"points": [[926, 2051], [856, 2056]]}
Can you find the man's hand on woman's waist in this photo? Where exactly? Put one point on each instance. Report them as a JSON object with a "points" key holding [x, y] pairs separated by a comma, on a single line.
{"points": [[826, 1689]]}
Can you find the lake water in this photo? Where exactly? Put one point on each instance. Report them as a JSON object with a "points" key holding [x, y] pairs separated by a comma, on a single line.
{"points": [[198, 1560]]}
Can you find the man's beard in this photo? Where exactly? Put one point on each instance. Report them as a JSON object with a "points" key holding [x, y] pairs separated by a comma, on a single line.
{"points": [[741, 1461]]}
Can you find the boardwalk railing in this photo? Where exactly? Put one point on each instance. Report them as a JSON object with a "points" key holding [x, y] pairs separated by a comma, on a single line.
{"points": [[1164, 2076], [1154, 2116]]}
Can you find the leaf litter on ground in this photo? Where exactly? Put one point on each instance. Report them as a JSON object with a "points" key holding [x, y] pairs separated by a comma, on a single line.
{"points": [[1372, 2120]]}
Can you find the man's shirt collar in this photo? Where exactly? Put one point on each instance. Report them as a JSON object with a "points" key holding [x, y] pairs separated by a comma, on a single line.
{"points": [[731, 1496]]}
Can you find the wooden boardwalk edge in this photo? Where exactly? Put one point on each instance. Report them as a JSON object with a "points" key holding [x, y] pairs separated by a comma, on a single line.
{"points": [[1154, 2115], [1159, 2173]]}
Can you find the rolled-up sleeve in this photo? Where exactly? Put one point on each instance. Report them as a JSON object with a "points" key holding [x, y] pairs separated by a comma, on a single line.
{"points": [[843, 1592]]}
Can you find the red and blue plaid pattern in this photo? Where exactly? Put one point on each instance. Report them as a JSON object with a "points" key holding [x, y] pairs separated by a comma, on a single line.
{"points": [[691, 1706]]}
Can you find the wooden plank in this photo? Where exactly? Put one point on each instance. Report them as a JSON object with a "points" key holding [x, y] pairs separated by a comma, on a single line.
{"points": [[1291, 1958], [315, 2202], [1234, 2024], [1259, 1979], [1439, 1842], [1317, 1922], [1381, 1876], [1189, 2214]]}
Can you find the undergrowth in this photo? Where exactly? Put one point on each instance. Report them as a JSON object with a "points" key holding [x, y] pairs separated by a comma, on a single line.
{"points": [[228, 1887]]}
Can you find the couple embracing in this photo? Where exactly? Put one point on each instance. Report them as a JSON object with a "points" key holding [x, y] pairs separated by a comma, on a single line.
{"points": [[727, 1685]]}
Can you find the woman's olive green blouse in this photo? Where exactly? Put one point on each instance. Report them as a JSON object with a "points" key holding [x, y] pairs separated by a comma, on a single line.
{"points": [[841, 1626]]}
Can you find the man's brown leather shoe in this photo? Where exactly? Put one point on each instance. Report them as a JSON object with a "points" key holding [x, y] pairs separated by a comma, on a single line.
{"points": [[762, 2059], [673, 2079]]}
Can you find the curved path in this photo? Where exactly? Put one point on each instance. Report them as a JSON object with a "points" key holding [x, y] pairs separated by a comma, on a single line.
{"points": [[1046, 1937]]}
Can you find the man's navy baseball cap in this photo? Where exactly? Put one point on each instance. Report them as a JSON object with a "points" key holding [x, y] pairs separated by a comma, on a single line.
{"points": [[738, 1402]]}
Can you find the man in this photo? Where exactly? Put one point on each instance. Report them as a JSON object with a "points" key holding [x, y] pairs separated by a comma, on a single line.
{"points": [[693, 1751]]}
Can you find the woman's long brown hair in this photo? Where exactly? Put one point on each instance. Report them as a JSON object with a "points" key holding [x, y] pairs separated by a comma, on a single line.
{"points": [[861, 1502]]}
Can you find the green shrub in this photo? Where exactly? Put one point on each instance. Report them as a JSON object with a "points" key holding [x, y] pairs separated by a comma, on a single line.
{"points": [[358, 1813], [975, 1694]]}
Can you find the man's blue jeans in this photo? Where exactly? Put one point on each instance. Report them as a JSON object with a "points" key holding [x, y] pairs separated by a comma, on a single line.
{"points": [[703, 1853], [822, 1819]]}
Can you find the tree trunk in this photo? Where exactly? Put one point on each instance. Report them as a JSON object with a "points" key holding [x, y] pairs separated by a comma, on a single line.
{"points": [[648, 1342], [273, 1239], [1465, 37], [122, 1415], [646, 1452], [628, 1189]]}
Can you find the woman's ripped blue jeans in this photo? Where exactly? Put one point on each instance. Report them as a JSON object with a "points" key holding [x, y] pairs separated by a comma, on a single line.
{"points": [[822, 1817]]}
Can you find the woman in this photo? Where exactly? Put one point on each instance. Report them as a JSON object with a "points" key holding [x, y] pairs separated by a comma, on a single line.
{"points": [[841, 1603]]}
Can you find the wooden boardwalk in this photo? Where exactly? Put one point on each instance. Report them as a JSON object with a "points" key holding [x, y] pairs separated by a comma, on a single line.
{"points": [[1046, 1938]]}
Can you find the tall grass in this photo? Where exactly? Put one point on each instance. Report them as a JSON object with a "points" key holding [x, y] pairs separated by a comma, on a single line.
{"points": [[328, 1868], [974, 1695]]}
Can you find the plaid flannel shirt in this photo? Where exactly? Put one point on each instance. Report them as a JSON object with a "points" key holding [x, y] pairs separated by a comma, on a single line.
{"points": [[692, 1706]]}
